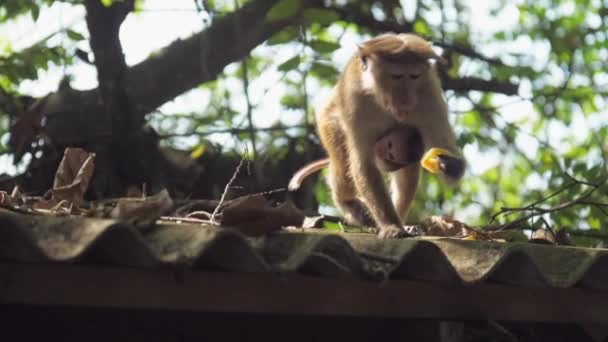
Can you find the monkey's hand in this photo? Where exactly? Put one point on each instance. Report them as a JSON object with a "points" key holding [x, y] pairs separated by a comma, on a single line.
{"points": [[438, 160], [392, 231]]}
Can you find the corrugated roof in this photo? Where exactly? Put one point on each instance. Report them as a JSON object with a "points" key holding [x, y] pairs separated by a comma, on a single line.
{"points": [[25, 238]]}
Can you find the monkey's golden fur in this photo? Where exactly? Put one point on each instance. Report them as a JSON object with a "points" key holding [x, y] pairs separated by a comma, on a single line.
{"points": [[388, 82]]}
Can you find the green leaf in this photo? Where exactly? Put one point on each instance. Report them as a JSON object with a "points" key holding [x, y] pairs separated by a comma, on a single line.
{"points": [[107, 3], [35, 12], [321, 16], [138, 6], [73, 35], [290, 64], [332, 226], [283, 9], [323, 46], [293, 101], [422, 28], [324, 72], [284, 36]]}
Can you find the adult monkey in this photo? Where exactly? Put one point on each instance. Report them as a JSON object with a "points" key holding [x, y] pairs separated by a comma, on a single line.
{"points": [[389, 83]]}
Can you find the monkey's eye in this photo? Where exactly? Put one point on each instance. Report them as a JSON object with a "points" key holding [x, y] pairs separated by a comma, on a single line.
{"points": [[414, 76], [397, 76]]}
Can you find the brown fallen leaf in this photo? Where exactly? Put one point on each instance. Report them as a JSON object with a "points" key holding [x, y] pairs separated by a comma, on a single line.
{"points": [[5, 199], [73, 176], [448, 226], [142, 211], [253, 215], [313, 221], [543, 236], [563, 238], [17, 196]]}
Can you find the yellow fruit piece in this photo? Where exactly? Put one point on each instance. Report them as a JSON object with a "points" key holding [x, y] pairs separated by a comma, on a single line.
{"points": [[430, 161], [198, 152]]}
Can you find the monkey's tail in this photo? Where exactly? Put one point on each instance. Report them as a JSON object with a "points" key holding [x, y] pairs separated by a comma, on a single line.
{"points": [[296, 180]]}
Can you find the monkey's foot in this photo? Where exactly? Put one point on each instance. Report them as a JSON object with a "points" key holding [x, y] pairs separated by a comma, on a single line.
{"points": [[356, 214], [392, 232], [414, 230]]}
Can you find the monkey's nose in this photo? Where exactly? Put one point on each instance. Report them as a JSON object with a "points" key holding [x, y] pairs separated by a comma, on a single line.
{"points": [[406, 105]]}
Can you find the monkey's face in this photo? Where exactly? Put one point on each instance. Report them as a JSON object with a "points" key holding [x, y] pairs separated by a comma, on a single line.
{"points": [[397, 85]]}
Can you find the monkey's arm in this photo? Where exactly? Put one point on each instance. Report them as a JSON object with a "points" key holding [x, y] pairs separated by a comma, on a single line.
{"points": [[444, 155], [372, 188]]}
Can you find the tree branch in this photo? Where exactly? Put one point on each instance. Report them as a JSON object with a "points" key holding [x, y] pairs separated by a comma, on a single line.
{"points": [[234, 131], [354, 14], [179, 67], [185, 64], [471, 83], [538, 211]]}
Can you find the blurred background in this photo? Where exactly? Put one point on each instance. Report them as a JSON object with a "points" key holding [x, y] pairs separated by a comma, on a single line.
{"points": [[172, 94]]}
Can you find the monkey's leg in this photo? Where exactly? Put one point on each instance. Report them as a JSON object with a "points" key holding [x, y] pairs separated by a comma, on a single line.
{"points": [[372, 189], [404, 183], [344, 197], [343, 191]]}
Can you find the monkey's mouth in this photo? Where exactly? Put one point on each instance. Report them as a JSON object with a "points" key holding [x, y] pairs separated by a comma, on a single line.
{"points": [[395, 108], [399, 113]]}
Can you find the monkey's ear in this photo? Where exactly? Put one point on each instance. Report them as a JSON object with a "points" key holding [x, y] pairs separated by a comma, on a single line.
{"points": [[440, 60], [363, 63], [362, 53]]}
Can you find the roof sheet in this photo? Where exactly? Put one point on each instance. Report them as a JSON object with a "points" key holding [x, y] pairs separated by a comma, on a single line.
{"points": [[26, 238]]}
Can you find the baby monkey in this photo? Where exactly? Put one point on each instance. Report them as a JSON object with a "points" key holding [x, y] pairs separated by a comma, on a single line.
{"points": [[389, 82]]}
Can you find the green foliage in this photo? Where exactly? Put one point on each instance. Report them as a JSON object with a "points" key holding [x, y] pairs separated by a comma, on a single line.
{"points": [[11, 9], [73, 35], [321, 16], [25, 64], [284, 9], [290, 64], [286, 35], [325, 72]]}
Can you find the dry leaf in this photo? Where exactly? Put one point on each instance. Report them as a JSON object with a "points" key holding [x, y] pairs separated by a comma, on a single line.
{"points": [[252, 215], [142, 211], [563, 238], [444, 226], [313, 221], [17, 196], [5, 199], [73, 176], [543, 236]]}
